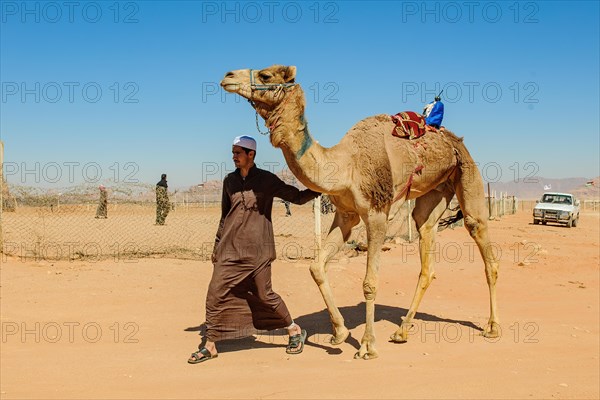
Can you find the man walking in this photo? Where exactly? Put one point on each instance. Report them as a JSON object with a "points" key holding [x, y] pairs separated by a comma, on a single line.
{"points": [[240, 297]]}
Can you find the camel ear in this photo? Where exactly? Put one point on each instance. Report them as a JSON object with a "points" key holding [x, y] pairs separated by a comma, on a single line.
{"points": [[290, 74]]}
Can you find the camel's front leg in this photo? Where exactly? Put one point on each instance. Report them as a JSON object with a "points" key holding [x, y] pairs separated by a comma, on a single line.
{"points": [[338, 234], [376, 227]]}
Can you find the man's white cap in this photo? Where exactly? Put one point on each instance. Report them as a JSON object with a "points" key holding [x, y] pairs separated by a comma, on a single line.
{"points": [[245, 141]]}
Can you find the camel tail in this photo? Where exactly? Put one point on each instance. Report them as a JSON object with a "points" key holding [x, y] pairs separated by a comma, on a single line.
{"points": [[446, 222]]}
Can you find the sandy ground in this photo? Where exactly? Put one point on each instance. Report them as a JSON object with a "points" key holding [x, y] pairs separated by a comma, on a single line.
{"points": [[125, 329]]}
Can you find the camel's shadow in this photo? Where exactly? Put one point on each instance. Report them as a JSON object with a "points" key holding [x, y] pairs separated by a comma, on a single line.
{"points": [[319, 328]]}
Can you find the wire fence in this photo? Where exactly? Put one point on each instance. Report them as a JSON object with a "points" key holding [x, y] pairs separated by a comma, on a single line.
{"points": [[50, 227], [53, 225], [585, 205], [70, 223], [71, 231]]}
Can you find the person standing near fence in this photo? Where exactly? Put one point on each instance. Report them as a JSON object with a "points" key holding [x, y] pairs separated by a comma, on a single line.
{"points": [[162, 200], [288, 212], [240, 297], [102, 210]]}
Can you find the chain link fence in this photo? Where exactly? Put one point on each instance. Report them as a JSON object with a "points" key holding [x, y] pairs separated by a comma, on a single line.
{"points": [[54, 225], [585, 205], [59, 223]]}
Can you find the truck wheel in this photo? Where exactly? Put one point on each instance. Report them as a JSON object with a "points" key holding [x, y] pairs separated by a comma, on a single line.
{"points": [[544, 222], [575, 222], [570, 223], [535, 221]]}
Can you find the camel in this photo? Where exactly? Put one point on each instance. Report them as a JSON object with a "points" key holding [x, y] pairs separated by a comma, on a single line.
{"points": [[364, 174]]}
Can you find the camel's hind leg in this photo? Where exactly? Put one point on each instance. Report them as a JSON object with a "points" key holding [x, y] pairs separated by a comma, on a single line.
{"points": [[428, 210], [376, 223], [341, 228], [469, 191]]}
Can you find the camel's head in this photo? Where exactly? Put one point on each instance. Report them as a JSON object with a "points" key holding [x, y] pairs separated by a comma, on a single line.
{"points": [[265, 87]]}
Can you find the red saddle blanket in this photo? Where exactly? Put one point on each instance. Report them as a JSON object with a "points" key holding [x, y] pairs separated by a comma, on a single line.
{"points": [[409, 125]]}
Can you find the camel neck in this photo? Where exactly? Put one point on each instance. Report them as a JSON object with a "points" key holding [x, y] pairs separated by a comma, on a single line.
{"points": [[305, 157]]}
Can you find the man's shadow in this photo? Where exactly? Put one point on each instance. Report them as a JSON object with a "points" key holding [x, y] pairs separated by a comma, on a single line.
{"points": [[318, 326]]}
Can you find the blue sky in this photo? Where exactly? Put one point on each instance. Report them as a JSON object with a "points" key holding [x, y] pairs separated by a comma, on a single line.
{"points": [[128, 90]]}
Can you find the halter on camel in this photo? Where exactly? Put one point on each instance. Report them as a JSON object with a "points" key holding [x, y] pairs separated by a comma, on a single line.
{"points": [[277, 87]]}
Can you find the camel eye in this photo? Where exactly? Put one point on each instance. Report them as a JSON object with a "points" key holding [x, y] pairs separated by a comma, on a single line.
{"points": [[265, 76]]}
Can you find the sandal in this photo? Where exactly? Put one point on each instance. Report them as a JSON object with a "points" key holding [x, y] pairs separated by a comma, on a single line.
{"points": [[296, 343], [201, 355]]}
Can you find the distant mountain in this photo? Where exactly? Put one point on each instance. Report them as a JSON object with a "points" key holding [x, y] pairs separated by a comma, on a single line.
{"points": [[210, 192], [590, 191], [532, 188], [81, 193], [528, 188]]}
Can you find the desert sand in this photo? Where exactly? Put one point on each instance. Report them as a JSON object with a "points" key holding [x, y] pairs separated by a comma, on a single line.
{"points": [[125, 328]]}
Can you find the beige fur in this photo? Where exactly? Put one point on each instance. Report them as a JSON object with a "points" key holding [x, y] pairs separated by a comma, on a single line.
{"points": [[363, 174]]}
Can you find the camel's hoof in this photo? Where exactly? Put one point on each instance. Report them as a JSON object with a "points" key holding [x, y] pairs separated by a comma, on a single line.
{"points": [[492, 331], [366, 356], [399, 337], [401, 334], [339, 337]]}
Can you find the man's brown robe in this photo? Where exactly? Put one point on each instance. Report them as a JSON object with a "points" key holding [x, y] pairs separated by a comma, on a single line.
{"points": [[240, 298]]}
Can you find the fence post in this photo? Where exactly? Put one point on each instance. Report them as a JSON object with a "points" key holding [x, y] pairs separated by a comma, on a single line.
{"points": [[500, 206], [317, 212], [496, 204], [409, 221], [1, 193], [489, 202]]}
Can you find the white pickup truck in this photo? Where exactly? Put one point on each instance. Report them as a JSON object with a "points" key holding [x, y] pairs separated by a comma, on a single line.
{"points": [[562, 208]]}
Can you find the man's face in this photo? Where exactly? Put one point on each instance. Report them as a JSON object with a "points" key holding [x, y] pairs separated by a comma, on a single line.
{"points": [[240, 158]]}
